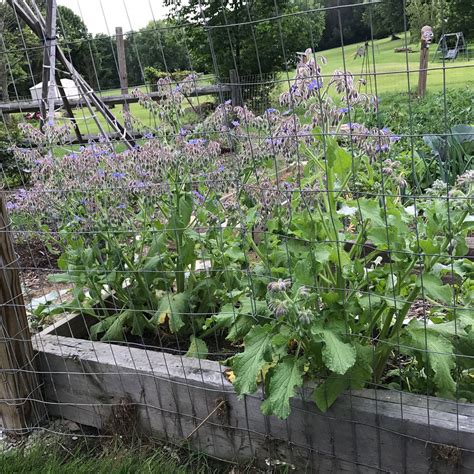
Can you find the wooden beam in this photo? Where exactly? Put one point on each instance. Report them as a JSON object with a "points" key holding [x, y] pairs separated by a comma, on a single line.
{"points": [[48, 91], [123, 76], [33, 105], [19, 385]]}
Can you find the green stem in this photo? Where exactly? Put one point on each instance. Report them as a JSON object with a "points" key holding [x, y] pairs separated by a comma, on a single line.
{"points": [[384, 350]]}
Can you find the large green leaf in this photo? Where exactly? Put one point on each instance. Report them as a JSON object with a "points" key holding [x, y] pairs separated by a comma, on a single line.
{"points": [[282, 381], [115, 332], [197, 348], [338, 356], [248, 364], [434, 288], [327, 392], [172, 308], [438, 352], [370, 210]]}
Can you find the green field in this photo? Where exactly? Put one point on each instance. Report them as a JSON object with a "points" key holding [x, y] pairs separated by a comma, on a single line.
{"points": [[398, 72]]}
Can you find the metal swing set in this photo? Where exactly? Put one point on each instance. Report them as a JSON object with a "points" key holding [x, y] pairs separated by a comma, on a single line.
{"points": [[450, 46]]}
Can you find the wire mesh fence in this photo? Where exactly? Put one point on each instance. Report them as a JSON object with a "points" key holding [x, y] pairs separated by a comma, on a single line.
{"points": [[266, 251]]}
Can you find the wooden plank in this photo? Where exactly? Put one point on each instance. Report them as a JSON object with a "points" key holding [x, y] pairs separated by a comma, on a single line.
{"points": [[365, 431], [33, 105], [123, 76], [19, 385]]}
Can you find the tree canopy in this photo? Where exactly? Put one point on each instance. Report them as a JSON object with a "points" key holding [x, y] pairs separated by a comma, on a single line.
{"points": [[252, 37]]}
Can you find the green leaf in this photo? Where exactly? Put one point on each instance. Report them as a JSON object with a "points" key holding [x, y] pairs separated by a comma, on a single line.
{"points": [[434, 288], [115, 332], [343, 161], [338, 356], [322, 253], [197, 349], [438, 352], [249, 363], [282, 381], [302, 273], [172, 308], [355, 378], [370, 210], [328, 391]]}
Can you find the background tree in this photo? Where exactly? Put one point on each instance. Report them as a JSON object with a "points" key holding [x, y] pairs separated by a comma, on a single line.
{"points": [[159, 45], [21, 55], [248, 43], [107, 67], [459, 16], [386, 18], [78, 44], [354, 28], [421, 13]]}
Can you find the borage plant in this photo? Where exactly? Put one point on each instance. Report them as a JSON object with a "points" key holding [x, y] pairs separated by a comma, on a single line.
{"points": [[345, 270]]}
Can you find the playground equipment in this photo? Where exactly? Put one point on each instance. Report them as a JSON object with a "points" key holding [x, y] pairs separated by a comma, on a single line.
{"points": [[450, 46]]}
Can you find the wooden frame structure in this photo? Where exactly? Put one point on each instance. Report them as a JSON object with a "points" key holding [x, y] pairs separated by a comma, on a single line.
{"points": [[45, 29]]}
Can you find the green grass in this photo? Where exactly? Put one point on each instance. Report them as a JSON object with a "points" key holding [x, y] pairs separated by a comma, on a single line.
{"points": [[397, 72], [57, 458]]}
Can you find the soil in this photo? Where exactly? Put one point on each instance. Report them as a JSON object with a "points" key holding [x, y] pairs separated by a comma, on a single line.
{"points": [[36, 263]]}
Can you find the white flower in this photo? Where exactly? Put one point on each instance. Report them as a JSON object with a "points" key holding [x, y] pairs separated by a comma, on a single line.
{"points": [[410, 210]]}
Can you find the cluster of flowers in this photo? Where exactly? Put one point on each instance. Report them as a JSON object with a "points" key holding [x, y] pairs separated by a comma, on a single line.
{"points": [[98, 182], [171, 97]]}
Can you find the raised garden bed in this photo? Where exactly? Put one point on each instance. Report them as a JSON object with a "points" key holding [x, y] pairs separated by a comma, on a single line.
{"points": [[183, 399]]}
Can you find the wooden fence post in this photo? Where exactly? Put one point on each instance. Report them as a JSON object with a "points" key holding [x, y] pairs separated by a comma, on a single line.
{"points": [[235, 90], [122, 65], [20, 394], [426, 38]]}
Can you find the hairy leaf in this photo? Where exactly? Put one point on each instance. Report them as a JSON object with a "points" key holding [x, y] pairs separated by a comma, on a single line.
{"points": [[438, 352], [197, 349], [172, 308], [248, 364], [282, 381], [337, 355], [434, 288]]}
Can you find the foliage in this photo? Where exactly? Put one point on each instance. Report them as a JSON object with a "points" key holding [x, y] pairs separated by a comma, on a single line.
{"points": [[459, 17], [421, 13], [454, 152], [354, 28], [386, 18], [234, 47], [159, 46], [153, 75]]}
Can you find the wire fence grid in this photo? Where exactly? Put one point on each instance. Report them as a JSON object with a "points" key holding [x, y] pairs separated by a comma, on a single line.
{"points": [[274, 266]]}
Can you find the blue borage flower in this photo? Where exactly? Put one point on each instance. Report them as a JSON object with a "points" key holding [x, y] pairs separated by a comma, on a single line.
{"points": [[228, 102], [314, 85], [183, 132], [199, 196], [271, 110], [148, 135], [197, 141], [235, 123], [118, 175], [121, 205]]}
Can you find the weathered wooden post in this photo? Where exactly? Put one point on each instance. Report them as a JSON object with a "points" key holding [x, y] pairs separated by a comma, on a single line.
{"points": [[48, 93], [122, 65], [235, 92], [20, 394], [426, 39]]}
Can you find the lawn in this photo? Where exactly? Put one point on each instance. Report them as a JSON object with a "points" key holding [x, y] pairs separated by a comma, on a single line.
{"points": [[397, 72]]}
